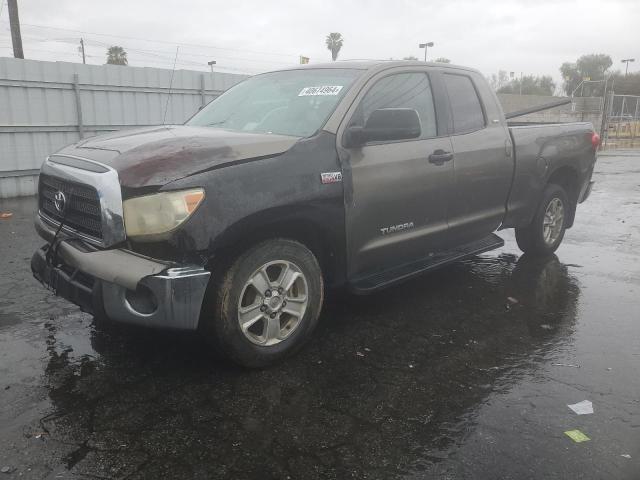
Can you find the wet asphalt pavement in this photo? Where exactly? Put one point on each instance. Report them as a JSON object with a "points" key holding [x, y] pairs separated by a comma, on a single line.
{"points": [[442, 377]]}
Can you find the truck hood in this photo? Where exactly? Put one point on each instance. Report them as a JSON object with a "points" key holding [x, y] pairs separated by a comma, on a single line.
{"points": [[155, 156]]}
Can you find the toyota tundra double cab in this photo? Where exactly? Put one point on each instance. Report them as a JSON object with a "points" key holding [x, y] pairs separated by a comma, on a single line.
{"points": [[352, 174]]}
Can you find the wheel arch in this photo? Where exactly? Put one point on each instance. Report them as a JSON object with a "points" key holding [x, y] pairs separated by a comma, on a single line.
{"points": [[567, 178], [304, 226]]}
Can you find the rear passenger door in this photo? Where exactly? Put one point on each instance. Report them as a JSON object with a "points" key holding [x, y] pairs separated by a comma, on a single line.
{"points": [[482, 163]]}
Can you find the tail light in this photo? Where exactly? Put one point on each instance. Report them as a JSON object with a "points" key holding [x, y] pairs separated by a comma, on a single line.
{"points": [[595, 140]]}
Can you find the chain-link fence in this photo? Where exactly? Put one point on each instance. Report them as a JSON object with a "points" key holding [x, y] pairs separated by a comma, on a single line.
{"points": [[621, 122]]}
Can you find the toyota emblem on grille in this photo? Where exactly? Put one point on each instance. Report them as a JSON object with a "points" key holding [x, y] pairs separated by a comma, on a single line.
{"points": [[60, 201]]}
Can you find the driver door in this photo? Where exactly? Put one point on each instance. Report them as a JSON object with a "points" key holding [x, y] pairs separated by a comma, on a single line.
{"points": [[397, 211]]}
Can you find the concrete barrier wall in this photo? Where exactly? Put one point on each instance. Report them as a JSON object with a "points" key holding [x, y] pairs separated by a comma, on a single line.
{"points": [[46, 105]]}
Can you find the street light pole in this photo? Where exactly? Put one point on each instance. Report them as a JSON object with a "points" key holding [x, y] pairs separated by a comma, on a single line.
{"points": [[211, 64], [627, 60], [425, 46]]}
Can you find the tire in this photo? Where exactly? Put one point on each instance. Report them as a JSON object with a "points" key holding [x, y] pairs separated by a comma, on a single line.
{"points": [[535, 239], [243, 293]]}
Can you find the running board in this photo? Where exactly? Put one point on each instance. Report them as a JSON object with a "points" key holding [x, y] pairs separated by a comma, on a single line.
{"points": [[406, 271]]}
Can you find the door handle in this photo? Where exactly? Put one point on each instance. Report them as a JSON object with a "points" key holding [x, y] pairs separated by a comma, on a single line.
{"points": [[440, 156]]}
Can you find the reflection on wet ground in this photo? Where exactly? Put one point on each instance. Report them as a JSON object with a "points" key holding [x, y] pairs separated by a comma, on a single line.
{"points": [[377, 378], [459, 374]]}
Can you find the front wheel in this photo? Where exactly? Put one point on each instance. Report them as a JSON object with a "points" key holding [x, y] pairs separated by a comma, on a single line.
{"points": [[546, 231], [266, 304]]}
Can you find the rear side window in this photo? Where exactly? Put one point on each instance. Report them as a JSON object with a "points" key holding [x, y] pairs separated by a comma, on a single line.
{"points": [[465, 104], [402, 90]]}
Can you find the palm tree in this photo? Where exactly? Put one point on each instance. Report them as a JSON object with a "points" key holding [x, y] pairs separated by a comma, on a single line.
{"points": [[334, 43], [117, 56]]}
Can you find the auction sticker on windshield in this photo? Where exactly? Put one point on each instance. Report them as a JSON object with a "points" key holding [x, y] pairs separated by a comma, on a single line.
{"points": [[322, 90]]}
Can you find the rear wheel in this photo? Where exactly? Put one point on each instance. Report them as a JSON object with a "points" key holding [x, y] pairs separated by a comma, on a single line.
{"points": [[546, 231], [266, 304]]}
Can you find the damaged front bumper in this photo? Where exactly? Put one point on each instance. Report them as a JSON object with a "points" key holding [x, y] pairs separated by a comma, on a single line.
{"points": [[127, 287]]}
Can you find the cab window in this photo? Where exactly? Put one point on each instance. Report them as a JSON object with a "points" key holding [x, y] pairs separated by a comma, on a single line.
{"points": [[401, 90], [466, 108]]}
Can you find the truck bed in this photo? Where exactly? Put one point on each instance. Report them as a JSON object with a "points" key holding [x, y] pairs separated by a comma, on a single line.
{"points": [[540, 149]]}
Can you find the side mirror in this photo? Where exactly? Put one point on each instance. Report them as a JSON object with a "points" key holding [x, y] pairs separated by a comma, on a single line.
{"points": [[385, 124]]}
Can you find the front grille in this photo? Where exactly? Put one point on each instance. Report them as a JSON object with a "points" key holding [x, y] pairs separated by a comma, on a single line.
{"points": [[83, 205]]}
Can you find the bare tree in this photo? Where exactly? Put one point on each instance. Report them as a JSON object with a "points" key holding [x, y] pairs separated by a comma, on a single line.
{"points": [[530, 85], [499, 80], [334, 43]]}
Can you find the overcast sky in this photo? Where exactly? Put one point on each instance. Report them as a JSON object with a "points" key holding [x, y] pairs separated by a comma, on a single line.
{"points": [[532, 36]]}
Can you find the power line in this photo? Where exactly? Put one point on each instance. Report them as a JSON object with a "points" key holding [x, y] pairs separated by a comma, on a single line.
{"points": [[151, 52], [182, 53], [160, 41], [166, 63], [8, 47], [161, 55]]}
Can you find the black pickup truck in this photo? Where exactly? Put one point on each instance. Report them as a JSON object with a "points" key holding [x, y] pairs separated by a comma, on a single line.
{"points": [[356, 174]]}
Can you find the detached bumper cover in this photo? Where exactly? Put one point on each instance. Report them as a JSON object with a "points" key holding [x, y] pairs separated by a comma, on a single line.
{"points": [[178, 294], [130, 288]]}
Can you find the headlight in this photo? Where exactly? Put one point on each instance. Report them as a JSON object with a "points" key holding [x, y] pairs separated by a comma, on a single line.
{"points": [[152, 216]]}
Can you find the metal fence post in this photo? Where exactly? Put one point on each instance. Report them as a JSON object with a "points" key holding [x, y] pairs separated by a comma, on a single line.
{"points": [[607, 117], [76, 91], [620, 118], [203, 98], [635, 120], [603, 114]]}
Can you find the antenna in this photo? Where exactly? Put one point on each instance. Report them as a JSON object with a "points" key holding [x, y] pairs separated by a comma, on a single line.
{"points": [[166, 107]]}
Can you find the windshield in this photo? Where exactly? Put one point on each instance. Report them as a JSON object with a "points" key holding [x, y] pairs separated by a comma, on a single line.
{"points": [[292, 102]]}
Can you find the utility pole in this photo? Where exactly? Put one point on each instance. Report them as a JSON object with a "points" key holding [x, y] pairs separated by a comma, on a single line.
{"points": [[82, 50], [14, 21]]}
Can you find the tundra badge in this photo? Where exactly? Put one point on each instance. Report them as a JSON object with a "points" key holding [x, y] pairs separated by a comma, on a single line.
{"points": [[396, 228], [331, 177]]}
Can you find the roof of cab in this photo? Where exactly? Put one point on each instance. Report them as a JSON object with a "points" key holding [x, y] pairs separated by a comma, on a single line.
{"points": [[376, 65]]}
